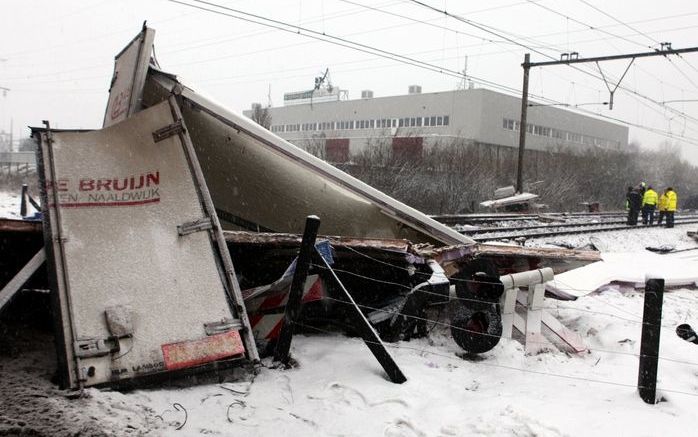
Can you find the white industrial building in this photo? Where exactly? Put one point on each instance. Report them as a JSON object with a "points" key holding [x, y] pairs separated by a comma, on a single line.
{"points": [[321, 121]]}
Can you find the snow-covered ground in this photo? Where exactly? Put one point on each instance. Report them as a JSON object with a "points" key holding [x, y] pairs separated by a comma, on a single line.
{"points": [[9, 204], [339, 388]]}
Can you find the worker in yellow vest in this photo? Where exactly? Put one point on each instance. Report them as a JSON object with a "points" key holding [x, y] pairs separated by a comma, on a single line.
{"points": [[649, 203], [672, 201], [662, 205]]}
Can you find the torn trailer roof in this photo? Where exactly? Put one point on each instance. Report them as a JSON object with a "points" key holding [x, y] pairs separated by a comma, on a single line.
{"points": [[261, 182]]}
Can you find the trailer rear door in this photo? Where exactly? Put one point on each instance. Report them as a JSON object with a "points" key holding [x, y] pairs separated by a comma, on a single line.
{"points": [[142, 284]]}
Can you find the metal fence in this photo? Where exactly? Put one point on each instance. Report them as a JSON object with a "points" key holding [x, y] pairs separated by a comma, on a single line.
{"points": [[17, 162]]}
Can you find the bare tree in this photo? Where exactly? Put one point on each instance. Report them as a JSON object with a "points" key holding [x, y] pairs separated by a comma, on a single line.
{"points": [[261, 115], [455, 176]]}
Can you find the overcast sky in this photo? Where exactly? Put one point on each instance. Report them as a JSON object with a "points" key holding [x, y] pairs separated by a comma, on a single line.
{"points": [[56, 56]]}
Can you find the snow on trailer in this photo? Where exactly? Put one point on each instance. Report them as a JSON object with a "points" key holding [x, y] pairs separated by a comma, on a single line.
{"points": [[393, 281], [139, 289], [245, 168]]}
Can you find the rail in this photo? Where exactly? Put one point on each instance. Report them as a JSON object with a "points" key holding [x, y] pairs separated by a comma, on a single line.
{"points": [[585, 230]]}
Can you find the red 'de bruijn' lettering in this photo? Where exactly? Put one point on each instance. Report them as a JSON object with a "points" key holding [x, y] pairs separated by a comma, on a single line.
{"points": [[120, 184]]}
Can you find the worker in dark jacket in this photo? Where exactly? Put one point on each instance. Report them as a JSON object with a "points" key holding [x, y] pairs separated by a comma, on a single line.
{"points": [[649, 203], [642, 187], [634, 199]]}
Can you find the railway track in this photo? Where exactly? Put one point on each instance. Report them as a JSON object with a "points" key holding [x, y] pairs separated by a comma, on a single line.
{"points": [[460, 219], [569, 229], [556, 226]]}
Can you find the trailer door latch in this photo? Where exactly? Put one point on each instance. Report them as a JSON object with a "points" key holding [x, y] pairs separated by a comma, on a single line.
{"points": [[203, 224], [168, 131]]}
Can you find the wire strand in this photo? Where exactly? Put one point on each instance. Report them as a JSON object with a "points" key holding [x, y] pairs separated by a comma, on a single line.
{"points": [[502, 366]]}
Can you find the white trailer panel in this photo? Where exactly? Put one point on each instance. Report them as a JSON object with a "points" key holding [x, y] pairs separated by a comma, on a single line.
{"points": [[141, 281], [130, 69], [261, 182]]}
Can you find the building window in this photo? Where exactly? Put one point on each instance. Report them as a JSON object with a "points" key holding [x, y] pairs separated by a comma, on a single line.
{"points": [[394, 122], [426, 121], [439, 121], [351, 124], [541, 131], [446, 120], [419, 121], [432, 121], [371, 124], [573, 137]]}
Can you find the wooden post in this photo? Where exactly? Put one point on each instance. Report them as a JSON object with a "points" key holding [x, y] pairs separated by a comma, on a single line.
{"points": [[23, 201], [535, 342], [649, 344], [12, 287], [508, 306], [283, 345], [364, 328]]}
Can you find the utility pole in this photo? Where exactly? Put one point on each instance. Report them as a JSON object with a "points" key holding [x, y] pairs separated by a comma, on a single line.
{"points": [[4, 91], [522, 124], [573, 58]]}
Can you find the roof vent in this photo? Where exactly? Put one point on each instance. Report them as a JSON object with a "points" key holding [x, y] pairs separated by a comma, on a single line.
{"points": [[366, 94], [414, 89]]}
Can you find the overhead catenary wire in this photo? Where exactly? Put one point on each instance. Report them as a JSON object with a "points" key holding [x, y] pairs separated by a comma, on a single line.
{"points": [[196, 45], [653, 40], [500, 34], [668, 134], [597, 29], [286, 27]]}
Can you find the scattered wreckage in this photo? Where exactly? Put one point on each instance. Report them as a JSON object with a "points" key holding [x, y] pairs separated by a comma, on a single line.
{"points": [[171, 241], [508, 200]]}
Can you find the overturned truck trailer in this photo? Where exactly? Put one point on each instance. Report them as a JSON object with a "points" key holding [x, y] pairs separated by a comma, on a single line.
{"points": [[261, 183], [141, 268]]}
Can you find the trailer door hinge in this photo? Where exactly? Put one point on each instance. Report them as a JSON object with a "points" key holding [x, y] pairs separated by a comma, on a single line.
{"points": [[168, 131], [221, 326], [203, 224]]}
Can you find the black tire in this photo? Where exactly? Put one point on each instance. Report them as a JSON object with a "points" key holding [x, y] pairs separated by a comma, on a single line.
{"points": [[478, 281], [476, 330]]}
